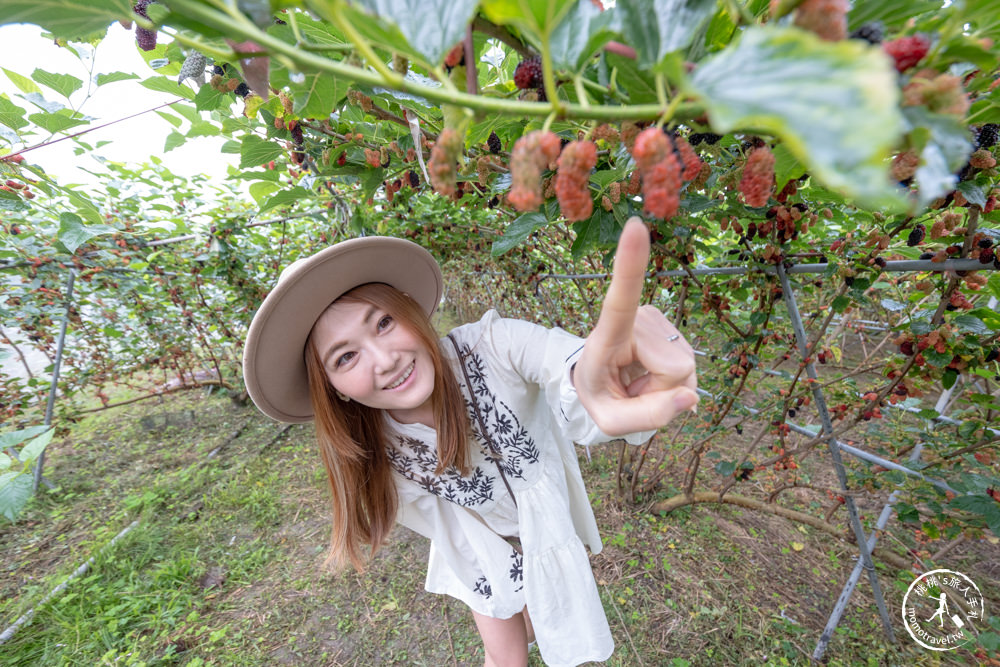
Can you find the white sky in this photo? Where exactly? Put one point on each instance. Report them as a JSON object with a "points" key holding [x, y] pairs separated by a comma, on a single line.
{"points": [[22, 49]]}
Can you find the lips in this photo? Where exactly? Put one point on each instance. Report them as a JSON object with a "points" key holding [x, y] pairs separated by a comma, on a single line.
{"points": [[402, 378]]}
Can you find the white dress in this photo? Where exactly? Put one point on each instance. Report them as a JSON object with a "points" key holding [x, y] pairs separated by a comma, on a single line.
{"points": [[515, 378]]}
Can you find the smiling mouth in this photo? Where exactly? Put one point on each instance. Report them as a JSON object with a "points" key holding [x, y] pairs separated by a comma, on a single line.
{"points": [[403, 378]]}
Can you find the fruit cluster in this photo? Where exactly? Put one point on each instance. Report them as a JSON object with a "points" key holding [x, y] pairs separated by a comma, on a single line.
{"points": [[573, 177]]}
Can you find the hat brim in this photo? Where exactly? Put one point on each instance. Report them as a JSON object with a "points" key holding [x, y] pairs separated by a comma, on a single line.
{"points": [[273, 358]]}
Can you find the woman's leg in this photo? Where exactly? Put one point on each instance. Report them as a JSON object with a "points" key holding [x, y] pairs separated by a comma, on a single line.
{"points": [[505, 639]]}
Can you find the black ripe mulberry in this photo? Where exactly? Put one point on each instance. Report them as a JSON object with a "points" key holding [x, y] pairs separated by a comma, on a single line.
{"points": [[242, 90], [916, 236], [145, 38], [494, 143], [414, 179], [528, 73], [869, 32], [992, 355], [988, 135]]}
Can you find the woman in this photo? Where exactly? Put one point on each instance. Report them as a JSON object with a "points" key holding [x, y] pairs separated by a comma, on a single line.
{"points": [[468, 440]]}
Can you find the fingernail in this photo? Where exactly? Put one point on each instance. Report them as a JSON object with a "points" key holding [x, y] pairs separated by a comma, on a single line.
{"points": [[686, 401]]}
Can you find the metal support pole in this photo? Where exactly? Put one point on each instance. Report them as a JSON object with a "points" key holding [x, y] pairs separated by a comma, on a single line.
{"points": [[54, 386], [838, 464], [883, 519]]}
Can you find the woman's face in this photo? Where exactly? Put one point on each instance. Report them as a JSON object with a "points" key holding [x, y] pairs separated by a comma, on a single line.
{"points": [[375, 360]]}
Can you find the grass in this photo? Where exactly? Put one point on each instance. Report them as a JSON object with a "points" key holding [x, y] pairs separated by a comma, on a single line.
{"points": [[225, 566]]}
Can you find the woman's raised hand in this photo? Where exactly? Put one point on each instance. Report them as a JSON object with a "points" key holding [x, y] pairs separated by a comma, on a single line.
{"points": [[637, 372]]}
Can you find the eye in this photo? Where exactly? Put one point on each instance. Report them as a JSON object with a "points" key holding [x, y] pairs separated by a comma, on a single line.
{"points": [[344, 358], [385, 322]]}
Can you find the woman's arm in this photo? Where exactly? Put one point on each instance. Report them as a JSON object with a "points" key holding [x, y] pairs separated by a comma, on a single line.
{"points": [[636, 372]]}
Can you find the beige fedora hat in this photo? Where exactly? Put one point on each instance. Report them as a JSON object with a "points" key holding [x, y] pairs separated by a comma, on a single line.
{"points": [[274, 366]]}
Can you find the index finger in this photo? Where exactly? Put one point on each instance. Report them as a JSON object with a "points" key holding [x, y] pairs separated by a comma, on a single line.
{"points": [[629, 274]]}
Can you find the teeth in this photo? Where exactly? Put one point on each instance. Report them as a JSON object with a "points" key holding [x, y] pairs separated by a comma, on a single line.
{"points": [[402, 379]]}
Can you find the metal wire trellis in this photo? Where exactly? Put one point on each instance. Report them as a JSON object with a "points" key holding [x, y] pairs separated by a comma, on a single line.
{"points": [[865, 542]]}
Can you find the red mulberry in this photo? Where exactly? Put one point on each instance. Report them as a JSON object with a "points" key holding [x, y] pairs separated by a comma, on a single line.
{"points": [[982, 159], [660, 171], [442, 167], [456, 56], [690, 159], [373, 157], [826, 18], [757, 181], [532, 153], [904, 166], [907, 51], [528, 73], [572, 179]]}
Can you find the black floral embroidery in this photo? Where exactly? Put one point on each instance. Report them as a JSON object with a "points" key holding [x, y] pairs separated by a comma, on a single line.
{"points": [[516, 447], [416, 461], [483, 587], [517, 570]]}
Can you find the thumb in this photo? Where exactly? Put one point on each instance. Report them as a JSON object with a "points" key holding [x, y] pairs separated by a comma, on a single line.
{"points": [[648, 411]]}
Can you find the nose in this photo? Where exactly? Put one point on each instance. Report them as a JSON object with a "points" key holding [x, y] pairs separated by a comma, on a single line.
{"points": [[384, 359]]}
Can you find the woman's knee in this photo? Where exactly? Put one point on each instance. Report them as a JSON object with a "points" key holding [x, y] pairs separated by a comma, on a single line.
{"points": [[504, 639]]}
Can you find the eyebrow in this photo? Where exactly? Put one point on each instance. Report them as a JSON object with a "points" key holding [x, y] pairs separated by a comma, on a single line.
{"points": [[336, 346]]}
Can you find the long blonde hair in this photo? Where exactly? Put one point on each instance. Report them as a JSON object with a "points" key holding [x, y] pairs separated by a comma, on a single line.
{"points": [[353, 438]]}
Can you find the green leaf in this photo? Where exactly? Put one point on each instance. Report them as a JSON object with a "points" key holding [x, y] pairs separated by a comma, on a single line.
{"points": [[210, 99], [949, 378], [317, 96], [946, 147], [973, 193], [56, 122], [66, 18], [64, 84], [37, 445], [983, 506], [256, 151], [203, 128], [535, 18], [579, 36], [725, 468], [5, 461], [262, 189], [971, 324], [174, 139], [15, 438], [517, 231], [15, 491], [11, 115], [287, 197], [112, 77], [786, 167], [163, 84], [601, 230], [655, 29], [891, 305], [432, 27], [834, 104], [637, 83], [73, 233], [24, 84], [890, 13], [841, 303]]}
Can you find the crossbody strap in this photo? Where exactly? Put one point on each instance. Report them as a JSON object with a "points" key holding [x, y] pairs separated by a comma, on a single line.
{"points": [[479, 418]]}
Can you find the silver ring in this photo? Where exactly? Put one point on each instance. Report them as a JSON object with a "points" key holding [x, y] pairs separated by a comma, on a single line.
{"points": [[673, 338]]}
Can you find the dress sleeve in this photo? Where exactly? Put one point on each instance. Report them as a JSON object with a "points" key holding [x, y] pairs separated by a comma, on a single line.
{"points": [[544, 357]]}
